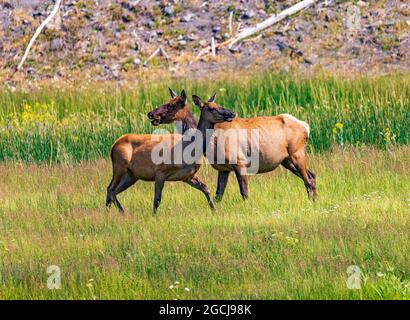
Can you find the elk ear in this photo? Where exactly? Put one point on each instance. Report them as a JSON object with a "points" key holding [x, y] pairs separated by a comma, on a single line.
{"points": [[197, 101], [212, 99], [183, 96], [173, 93]]}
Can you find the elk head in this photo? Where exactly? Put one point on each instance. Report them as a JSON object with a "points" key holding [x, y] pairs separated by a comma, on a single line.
{"points": [[171, 111], [212, 112]]}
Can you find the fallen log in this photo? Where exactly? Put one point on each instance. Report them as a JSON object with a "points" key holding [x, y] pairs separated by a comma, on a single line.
{"points": [[37, 33], [260, 26], [158, 50], [269, 22]]}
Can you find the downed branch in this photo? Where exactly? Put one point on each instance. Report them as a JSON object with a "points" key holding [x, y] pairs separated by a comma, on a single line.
{"points": [[269, 22], [213, 47], [260, 26], [159, 50], [38, 31]]}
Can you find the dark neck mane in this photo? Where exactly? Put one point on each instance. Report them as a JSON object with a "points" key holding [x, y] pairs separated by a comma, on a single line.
{"points": [[189, 122], [203, 127]]}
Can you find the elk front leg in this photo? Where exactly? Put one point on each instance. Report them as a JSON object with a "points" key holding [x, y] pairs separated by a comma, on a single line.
{"points": [[198, 184], [222, 181], [159, 185]]}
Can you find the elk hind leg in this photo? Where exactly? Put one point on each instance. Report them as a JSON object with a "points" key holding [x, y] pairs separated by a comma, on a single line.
{"points": [[127, 180], [242, 181], [299, 162], [287, 163], [118, 182]]}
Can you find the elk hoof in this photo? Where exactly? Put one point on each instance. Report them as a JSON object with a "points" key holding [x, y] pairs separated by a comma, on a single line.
{"points": [[213, 208], [218, 198]]}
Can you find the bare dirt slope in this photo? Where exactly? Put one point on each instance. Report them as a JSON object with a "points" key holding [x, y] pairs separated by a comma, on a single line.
{"points": [[111, 39]]}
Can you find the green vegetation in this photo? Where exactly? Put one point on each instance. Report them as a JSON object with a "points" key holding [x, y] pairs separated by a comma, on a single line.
{"points": [[54, 146], [276, 245], [53, 125]]}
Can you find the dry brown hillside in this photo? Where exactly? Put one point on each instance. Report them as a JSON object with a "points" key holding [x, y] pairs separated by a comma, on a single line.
{"points": [[111, 39]]}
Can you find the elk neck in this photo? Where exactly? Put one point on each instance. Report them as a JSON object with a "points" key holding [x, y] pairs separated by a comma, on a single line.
{"points": [[204, 126], [188, 121]]}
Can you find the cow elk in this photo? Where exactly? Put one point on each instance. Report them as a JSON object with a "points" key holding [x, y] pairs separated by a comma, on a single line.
{"points": [[131, 155]]}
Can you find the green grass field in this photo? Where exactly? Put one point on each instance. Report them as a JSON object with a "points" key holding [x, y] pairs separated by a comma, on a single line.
{"points": [[276, 245], [54, 170], [71, 124]]}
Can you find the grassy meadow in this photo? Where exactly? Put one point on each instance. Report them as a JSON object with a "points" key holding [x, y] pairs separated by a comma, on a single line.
{"points": [[277, 245], [54, 170]]}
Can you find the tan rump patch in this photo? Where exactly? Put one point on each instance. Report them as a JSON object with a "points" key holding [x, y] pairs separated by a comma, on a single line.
{"points": [[302, 123]]}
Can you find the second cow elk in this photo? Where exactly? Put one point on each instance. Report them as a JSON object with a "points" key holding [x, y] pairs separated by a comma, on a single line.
{"points": [[282, 141]]}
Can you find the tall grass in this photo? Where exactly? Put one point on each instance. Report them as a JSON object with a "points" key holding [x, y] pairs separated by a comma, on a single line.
{"points": [[67, 125], [277, 245]]}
